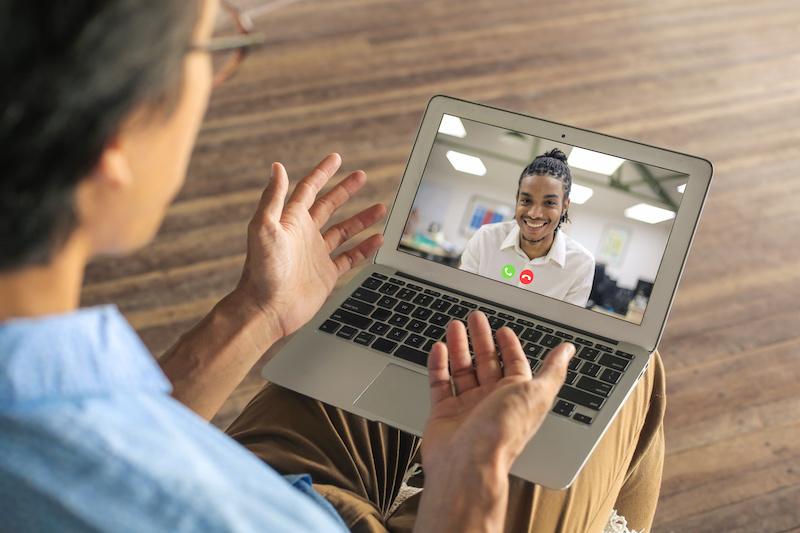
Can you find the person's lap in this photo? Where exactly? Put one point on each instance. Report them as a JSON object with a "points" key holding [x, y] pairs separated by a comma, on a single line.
{"points": [[359, 465]]}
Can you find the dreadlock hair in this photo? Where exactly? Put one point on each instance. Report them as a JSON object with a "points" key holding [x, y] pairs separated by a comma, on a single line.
{"points": [[553, 164]]}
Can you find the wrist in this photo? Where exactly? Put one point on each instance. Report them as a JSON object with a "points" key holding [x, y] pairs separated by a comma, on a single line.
{"points": [[258, 322], [464, 496]]}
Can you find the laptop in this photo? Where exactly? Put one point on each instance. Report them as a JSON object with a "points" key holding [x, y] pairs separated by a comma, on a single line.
{"points": [[633, 209]]}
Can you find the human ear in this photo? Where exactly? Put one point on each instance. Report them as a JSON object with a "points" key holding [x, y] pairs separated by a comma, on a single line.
{"points": [[113, 168]]}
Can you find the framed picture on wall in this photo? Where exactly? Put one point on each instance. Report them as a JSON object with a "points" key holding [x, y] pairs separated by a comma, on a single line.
{"points": [[481, 210], [613, 244]]}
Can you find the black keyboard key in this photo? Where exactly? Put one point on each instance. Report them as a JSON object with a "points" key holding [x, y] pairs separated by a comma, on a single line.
{"points": [[414, 287], [422, 313], [550, 341], [352, 319], [397, 281], [574, 363], [398, 320], [531, 335], [379, 328], [617, 363], [406, 294], [610, 376], [583, 418], [433, 293], [579, 340], [487, 310], [469, 305], [496, 323], [595, 387], [589, 354], [626, 355], [357, 306], [516, 328], [532, 350], [329, 326], [379, 276], [434, 332], [439, 319], [565, 336], [387, 301], [366, 295], [405, 308], [564, 408], [381, 314], [603, 348], [544, 328], [423, 299], [416, 341], [412, 354], [572, 377], [591, 369], [372, 283], [397, 334], [417, 326], [347, 332], [389, 289], [428, 345], [534, 365], [580, 397], [458, 311], [505, 316], [384, 345], [364, 338], [441, 305], [526, 323], [451, 299]]}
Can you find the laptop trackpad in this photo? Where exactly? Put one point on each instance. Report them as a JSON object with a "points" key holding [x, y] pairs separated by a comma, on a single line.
{"points": [[399, 397]]}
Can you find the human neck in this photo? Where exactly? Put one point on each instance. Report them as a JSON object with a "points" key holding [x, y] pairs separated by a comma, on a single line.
{"points": [[45, 289], [536, 249]]}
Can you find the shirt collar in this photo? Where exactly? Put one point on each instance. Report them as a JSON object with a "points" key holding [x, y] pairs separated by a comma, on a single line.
{"points": [[91, 351], [557, 252]]}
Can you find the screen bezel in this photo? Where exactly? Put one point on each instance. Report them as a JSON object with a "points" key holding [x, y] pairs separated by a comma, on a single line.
{"points": [[646, 334]]}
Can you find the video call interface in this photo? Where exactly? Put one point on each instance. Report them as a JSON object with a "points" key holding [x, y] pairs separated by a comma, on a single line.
{"points": [[473, 212]]}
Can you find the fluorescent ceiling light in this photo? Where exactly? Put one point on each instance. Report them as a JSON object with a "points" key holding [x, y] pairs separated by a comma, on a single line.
{"points": [[578, 194], [466, 163], [594, 162], [649, 213], [681, 188], [452, 126]]}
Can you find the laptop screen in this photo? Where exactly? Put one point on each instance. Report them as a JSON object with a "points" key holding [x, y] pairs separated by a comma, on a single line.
{"points": [[544, 216]]}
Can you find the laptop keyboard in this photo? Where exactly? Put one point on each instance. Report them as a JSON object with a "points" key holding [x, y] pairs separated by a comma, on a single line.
{"points": [[404, 319]]}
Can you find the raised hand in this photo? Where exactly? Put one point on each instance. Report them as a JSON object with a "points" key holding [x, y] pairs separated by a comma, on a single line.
{"points": [[482, 416], [289, 270]]}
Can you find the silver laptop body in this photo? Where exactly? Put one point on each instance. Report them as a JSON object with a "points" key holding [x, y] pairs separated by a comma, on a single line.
{"points": [[353, 355]]}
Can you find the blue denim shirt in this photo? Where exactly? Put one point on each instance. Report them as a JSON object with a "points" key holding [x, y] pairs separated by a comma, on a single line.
{"points": [[90, 440]]}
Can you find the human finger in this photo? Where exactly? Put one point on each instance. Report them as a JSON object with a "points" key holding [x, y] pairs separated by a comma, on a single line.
{"points": [[438, 374], [350, 258], [487, 364], [554, 369], [461, 367], [305, 193], [327, 204], [514, 361], [339, 233], [270, 206]]}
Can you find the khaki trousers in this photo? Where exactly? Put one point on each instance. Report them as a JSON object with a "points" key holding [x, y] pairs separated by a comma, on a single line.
{"points": [[359, 465]]}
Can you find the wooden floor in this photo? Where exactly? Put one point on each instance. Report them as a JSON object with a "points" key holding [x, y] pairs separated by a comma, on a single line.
{"points": [[716, 78]]}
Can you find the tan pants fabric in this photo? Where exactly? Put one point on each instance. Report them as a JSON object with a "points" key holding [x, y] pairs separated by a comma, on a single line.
{"points": [[359, 465]]}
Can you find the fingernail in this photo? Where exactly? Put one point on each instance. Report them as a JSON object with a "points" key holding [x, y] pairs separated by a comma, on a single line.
{"points": [[272, 170]]}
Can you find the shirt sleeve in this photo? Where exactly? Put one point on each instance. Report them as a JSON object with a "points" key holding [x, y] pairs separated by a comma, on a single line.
{"points": [[579, 293]]}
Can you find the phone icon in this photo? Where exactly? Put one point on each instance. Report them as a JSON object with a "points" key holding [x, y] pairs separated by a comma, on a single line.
{"points": [[508, 271], [526, 276]]}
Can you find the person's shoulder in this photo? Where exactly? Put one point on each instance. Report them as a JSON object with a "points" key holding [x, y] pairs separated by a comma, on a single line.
{"points": [[573, 247]]}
